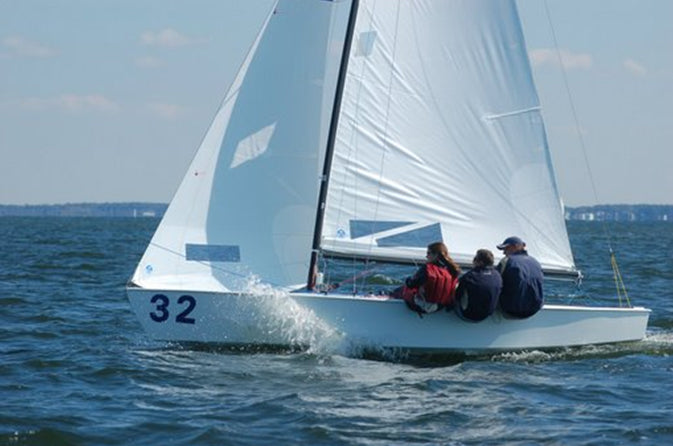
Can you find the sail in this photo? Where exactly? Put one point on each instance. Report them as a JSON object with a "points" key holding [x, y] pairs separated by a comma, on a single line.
{"points": [[245, 209], [441, 137]]}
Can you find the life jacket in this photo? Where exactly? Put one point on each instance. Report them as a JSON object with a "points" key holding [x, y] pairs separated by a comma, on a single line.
{"points": [[440, 286]]}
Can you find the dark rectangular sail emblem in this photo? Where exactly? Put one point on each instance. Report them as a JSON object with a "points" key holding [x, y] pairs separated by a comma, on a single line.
{"points": [[362, 228], [212, 253], [420, 237]]}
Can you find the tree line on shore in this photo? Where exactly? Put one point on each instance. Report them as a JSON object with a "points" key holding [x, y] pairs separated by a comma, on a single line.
{"points": [[603, 212]]}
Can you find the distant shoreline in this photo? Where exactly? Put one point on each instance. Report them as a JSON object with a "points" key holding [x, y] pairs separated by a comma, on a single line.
{"points": [[132, 209], [603, 212]]}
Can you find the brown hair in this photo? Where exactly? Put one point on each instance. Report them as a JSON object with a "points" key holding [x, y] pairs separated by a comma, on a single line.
{"points": [[443, 257], [483, 257]]}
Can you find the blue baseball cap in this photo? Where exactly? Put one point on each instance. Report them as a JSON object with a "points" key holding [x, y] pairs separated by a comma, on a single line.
{"points": [[510, 241]]}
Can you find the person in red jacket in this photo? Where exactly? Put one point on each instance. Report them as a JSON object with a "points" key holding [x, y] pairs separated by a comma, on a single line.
{"points": [[434, 284]]}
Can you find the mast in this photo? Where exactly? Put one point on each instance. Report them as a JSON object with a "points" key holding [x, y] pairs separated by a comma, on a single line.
{"points": [[331, 138]]}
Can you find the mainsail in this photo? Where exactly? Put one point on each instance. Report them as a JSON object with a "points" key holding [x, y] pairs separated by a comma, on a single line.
{"points": [[441, 137]]}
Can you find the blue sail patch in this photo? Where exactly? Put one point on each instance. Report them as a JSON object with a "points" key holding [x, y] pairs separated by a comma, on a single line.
{"points": [[420, 237], [212, 253], [361, 228]]}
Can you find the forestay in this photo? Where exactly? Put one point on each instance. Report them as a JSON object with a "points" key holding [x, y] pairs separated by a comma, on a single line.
{"points": [[440, 137]]}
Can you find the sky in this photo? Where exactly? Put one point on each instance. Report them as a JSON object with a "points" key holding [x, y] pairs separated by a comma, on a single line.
{"points": [[108, 100]]}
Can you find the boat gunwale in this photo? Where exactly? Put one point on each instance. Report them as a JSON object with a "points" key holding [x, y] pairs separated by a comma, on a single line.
{"points": [[381, 299]]}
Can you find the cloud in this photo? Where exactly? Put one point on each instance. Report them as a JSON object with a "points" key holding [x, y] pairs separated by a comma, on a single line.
{"points": [[18, 46], [167, 38], [166, 111], [570, 60], [634, 67], [149, 62], [71, 103]]}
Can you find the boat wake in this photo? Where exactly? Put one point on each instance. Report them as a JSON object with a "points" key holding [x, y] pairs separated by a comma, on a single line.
{"points": [[654, 344]]}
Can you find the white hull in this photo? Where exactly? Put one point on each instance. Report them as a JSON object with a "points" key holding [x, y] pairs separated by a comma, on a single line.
{"points": [[307, 319]]}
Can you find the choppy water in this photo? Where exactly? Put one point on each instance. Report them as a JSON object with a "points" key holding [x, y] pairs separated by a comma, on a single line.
{"points": [[76, 367]]}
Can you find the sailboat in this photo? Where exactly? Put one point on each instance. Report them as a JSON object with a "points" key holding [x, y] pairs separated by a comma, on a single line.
{"points": [[361, 131]]}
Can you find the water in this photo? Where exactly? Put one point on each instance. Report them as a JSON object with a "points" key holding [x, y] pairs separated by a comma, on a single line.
{"points": [[76, 367]]}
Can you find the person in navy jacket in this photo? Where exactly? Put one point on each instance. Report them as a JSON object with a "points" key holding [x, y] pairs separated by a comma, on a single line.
{"points": [[522, 279], [478, 289]]}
